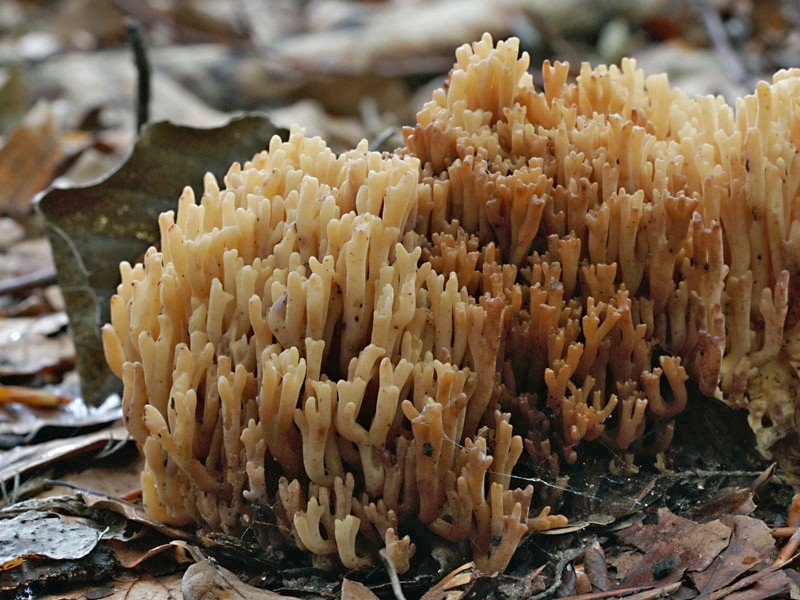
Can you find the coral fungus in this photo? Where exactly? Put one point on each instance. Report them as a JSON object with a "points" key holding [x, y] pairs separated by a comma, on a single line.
{"points": [[334, 350]]}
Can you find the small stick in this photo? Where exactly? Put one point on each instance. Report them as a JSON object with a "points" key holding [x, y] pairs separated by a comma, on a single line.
{"points": [[25, 283], [395, 580], [35, 398], [715, 28], [135, 35]]}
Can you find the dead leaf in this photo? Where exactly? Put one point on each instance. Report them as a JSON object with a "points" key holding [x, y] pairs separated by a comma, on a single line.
{"points": [[92, 229], [36, 534], [118, 478], [208, 580], [28, 256], [762, 582], [596, 568], [751, 545], [45, 574], [133, 512], [23, 459], [448, 586], [11, 232], [95, 20], [128, 587], [20, 424], [770, 586], [661, 563], [28, 160], [673, 546], [29, 345], [398, 37], [106, 81], [14, 93], [70, 509], [728, 501], [573, 527], [132, 554], [353, 590]]}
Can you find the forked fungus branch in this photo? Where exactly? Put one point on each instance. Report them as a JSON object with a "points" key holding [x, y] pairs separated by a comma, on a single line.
{"points": [[331, 350]]}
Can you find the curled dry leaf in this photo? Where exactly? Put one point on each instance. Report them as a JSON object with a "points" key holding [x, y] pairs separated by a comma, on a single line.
{"points": [[453, 584], [208, 579]]}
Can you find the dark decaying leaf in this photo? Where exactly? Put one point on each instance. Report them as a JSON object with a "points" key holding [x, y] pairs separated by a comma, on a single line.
{"points": [[92, 229], [35, 577]]}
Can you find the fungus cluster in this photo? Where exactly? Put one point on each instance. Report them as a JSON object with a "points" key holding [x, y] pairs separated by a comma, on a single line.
{"points": [[331, 351]]}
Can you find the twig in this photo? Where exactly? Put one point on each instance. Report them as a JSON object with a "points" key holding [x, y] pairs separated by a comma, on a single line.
{"points": [[615, 593], [789, 549], [135, 34], [783, 532], [393, 577], [552, 36], [566, 557], [25, 283], [715, 28]]}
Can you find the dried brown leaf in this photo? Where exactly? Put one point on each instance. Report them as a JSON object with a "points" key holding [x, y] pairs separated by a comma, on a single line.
{"points": [[30, 345], [596, 567], [353, 590], [728, 501], [28, 160], [661, 563], [23, 459], [673, 546], [131, 554], [119, 477], [448, 587], [133, 512], [757, 580], [207, 580], [751, 545], [167, 587], [43, 574], [771, 586]]}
